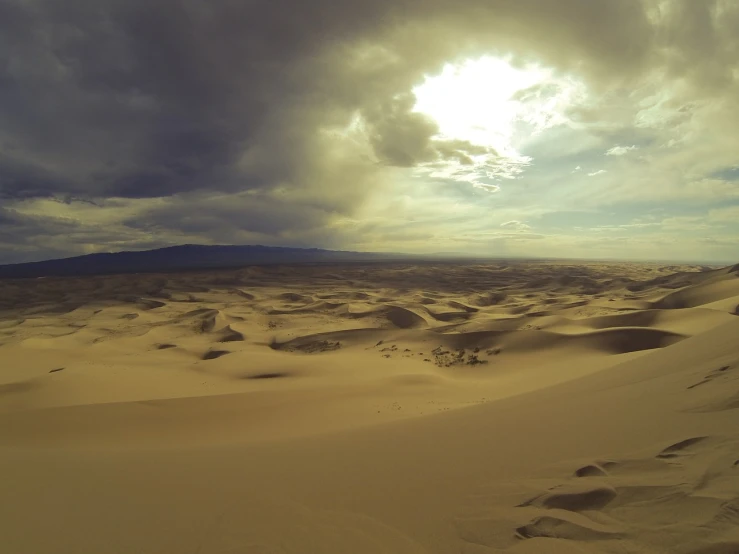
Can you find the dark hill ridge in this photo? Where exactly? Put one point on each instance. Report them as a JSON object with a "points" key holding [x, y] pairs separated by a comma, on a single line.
{"points": [[184, 257]]}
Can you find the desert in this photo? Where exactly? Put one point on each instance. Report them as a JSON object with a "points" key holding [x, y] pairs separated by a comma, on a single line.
{"points": [[498, 406], [369, 277]]}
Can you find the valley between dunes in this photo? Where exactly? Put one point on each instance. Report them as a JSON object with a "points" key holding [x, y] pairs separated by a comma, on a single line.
{"points": [[404, 408]]}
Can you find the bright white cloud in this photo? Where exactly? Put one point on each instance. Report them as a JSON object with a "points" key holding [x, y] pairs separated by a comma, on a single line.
{"points": [[595, 173], [489, 188], [515, 224], [620, 150]]}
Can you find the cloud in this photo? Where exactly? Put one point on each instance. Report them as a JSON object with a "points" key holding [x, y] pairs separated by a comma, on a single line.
{"points": [[244, 121], [685, 223], [620, 150], [227, 216], [596, 173], [172, 97], [487, 187], [728, 214], [642, 225], [26, 236], [517, 225], [727, 174], [399, 136]]}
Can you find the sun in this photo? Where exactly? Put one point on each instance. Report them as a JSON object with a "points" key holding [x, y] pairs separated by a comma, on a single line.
{"points": [[474, 100], [491, 102]]}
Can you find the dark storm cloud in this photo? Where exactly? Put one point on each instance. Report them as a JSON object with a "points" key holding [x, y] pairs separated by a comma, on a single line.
{"points": [[140, 99], [399, 136], [702, 41], [144, 99], [26, 237], [18, 231], [403, 138], [25, 179], [226, 215]]}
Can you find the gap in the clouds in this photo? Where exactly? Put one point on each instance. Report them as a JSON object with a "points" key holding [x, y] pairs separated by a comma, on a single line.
{"points": [[493, 108], [727, 174]]}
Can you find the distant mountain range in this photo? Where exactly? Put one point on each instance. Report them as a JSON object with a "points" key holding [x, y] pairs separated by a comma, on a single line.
{"points": [[186, 257]]}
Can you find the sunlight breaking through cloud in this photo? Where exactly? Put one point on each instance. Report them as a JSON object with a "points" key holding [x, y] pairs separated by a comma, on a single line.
{"points": [[492, 103]]}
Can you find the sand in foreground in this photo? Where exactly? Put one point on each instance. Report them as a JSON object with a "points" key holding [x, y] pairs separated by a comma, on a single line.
{"points": [[523, 407]]}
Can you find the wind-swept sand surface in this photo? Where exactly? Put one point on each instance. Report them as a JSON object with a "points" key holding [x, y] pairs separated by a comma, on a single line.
{"points": [[388, 408]]}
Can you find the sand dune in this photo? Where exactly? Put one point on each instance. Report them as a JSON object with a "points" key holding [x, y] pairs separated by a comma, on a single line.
{"points": [[519, 407], [704, 293], [396, 316]]}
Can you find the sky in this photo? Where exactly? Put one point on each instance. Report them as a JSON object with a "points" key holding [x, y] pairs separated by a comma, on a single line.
{"points": [[576, 128]]}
